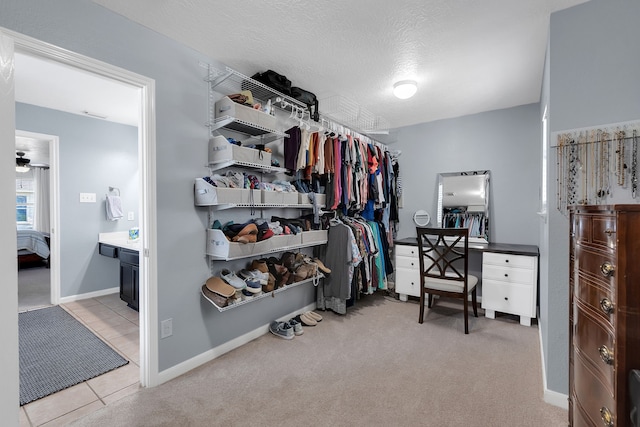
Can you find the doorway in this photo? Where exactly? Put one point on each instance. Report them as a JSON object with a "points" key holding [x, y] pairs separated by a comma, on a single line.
{"points": [[11, 42], [38, 278]]}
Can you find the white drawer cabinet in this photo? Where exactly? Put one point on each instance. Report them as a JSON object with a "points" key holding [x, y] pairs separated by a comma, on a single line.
{"points": [[407, 271], [509, 285]]}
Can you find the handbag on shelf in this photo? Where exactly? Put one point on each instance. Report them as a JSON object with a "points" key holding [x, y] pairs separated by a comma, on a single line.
{"points": [[274, 80], [309, 99]]}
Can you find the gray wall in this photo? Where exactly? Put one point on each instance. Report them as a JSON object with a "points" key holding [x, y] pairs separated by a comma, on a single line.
{"points": [[593, 81], [181, 151], [94, 155], [506, 142]]}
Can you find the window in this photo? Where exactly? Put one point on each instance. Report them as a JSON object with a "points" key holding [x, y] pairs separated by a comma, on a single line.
{"points": [[25, 202]]}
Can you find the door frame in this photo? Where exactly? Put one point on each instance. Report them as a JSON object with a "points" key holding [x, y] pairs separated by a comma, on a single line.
{"points": [[147, 173], [54, 209]]}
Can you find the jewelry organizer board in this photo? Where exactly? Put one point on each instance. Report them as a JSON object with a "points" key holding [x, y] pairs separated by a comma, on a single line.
{"points": [[596, 165]]}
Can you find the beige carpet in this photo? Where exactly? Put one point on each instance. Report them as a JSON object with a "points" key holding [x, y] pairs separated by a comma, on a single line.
{"points": [[374, 366]]}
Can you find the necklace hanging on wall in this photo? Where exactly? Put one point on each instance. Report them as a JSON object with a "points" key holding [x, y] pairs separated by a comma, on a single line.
{"points": [[634, 165], [620, 165], [572, 179], [583, 167], [559, 172]]}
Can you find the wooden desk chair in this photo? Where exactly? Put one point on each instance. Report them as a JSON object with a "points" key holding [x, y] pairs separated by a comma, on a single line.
{"points": [[444, 267]]}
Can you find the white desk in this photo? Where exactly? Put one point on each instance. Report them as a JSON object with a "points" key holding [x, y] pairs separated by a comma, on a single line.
{"points": [[509, 276]]}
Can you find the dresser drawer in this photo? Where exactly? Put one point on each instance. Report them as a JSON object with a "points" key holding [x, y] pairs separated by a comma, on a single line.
{"points": [[508, 260], [582, 229], [603, 231], [407, 262], [599, 266], [521, 276], [406, 250], [408, 281], [589, 335], [595, 296], [591, 394], [508, 298]]}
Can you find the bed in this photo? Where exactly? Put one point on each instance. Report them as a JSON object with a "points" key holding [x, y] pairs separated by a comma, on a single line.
{"points": [[33, 247]]}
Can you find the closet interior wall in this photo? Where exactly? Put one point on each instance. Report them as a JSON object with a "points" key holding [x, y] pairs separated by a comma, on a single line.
{"points": [[356, 175]]}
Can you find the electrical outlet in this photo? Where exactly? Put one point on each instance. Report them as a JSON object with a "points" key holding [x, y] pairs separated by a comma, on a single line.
{"points": [[130, 216], [166, 328], [87, 197]]}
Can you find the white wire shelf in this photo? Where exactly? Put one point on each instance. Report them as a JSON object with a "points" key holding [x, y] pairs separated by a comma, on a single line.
{"points": [[224, 206], [269, 251], [263, 295], [229, 81], [241, 163], [242, 126]]}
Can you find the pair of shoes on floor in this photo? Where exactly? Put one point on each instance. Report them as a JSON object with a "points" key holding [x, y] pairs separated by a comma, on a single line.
{"points": [[309, 318], [282, 330], [297, 326]]}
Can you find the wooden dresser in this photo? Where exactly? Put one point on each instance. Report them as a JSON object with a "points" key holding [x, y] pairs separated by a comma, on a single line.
{"points": [[604, 313]]}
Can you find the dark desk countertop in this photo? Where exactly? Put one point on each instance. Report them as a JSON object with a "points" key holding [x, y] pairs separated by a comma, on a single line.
{"points": [[506, 248]]}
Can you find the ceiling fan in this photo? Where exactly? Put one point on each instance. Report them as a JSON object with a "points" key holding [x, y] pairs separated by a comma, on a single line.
{"points": [[22, 163]]}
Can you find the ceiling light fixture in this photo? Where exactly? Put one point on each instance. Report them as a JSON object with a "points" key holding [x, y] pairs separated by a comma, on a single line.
{"points": [[405, 89], [22, 164]]}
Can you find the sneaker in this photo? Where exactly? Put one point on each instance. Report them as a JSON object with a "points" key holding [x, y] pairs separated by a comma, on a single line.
{"points": [[253, 286], [297, 326], [256, 275], [282, 330], [231, 278]]}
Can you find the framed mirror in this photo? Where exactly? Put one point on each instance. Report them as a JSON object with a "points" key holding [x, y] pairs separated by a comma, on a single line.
{"points": [[463, 201]]}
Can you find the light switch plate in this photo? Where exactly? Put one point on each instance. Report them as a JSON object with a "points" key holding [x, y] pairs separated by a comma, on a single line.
{"points": [[166, 328], [87, 197], [130, 216]]}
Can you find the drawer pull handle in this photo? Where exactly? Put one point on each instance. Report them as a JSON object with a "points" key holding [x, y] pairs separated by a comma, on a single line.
{"points": [[606, 305], [506, 275], [506, 260], [607, 416], [506, 298], [609, 231], [606, 355], [607, 269]]}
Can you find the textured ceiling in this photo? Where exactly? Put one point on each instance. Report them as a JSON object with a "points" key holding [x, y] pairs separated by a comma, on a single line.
{"points": [[468, 56]]}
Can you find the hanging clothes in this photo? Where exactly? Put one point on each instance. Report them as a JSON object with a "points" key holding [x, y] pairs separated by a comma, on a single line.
{"points": [[291, 148], [342, 255]]}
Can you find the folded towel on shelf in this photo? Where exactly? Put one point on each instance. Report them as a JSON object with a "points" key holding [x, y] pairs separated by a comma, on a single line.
{"points": [[114, 208]]}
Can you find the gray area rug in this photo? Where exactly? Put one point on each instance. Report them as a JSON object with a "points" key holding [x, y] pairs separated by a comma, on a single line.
{"points": [[57, 352]]}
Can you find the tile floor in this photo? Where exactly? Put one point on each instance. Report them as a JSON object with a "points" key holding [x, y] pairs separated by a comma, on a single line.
{"points": [[114, 322]]}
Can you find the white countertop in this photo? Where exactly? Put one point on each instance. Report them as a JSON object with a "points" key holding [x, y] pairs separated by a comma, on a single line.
{"points": [[119, 239]]}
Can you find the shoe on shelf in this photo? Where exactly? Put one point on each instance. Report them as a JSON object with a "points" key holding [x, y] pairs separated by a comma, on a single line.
{"points": [[247, 238], [282, 330], [260, 265], [306, 320], [315, 316], [297, 326], [321, 266], [258, 275], [248, 230], [231, 278], [253, 286], [220, 287]]}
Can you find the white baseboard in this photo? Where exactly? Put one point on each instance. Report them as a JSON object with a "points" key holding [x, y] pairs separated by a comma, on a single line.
{"points": [[207, 356], [551, 397], [88, 295]]}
